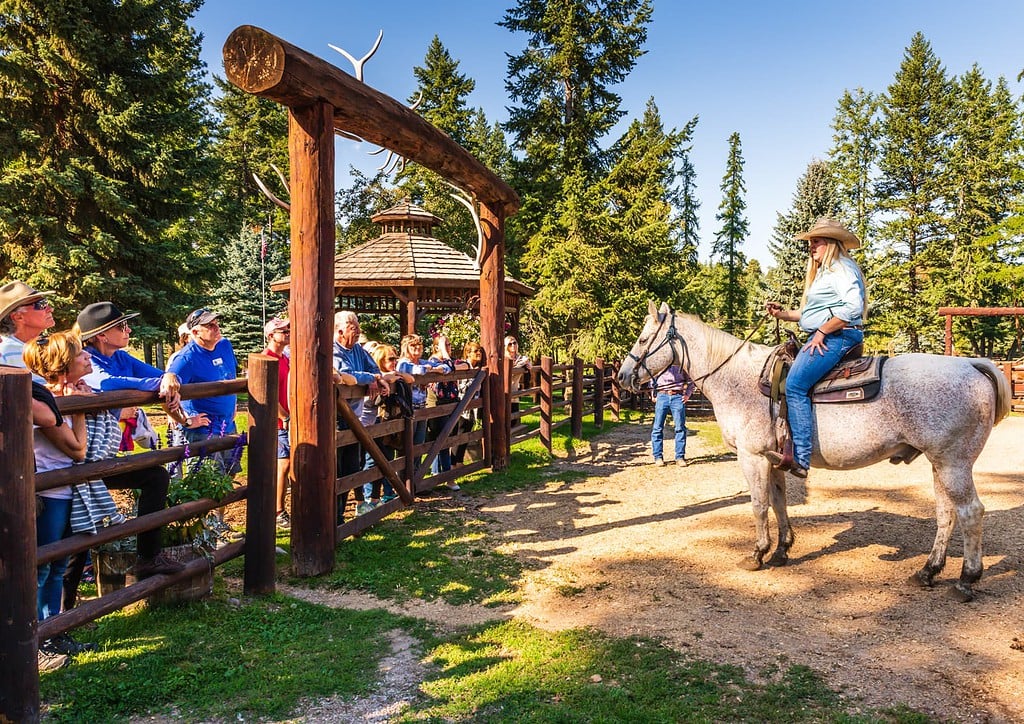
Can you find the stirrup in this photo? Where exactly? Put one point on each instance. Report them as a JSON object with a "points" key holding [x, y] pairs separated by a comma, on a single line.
{"points": [[782, 461]]}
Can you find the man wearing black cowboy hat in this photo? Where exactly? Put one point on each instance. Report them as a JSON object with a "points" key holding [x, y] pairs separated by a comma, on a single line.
{"points": [[105, 333]]}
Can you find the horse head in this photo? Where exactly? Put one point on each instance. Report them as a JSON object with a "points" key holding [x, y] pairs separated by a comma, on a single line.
{"points": [[655, 350]]}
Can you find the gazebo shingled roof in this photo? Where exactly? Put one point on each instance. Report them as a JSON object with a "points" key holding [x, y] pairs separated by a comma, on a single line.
{"points": [[407, 271]]}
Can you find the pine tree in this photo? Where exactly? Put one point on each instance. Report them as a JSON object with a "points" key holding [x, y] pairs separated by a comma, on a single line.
{"points": [[911, 190], [854, 156], [561, 84], [816, 196], [731, 236], [983, 179], [243, 297], [251, 139], [104, 165]]}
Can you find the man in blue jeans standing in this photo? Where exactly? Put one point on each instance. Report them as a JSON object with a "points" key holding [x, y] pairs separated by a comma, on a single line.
{"points": [[672, 389]]}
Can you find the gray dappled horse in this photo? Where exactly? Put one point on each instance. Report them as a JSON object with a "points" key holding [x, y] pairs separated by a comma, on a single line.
{"points": [[943, 407]]}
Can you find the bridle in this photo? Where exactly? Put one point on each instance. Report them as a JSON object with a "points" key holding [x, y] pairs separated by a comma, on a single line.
{"points": [[672, 336]]}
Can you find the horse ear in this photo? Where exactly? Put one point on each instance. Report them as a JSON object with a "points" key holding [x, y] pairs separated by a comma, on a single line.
{"points": [[664, 309], [652, 308]]}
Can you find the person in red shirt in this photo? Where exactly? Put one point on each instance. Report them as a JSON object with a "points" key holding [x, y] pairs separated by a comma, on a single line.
{"points": [[278, 334]]}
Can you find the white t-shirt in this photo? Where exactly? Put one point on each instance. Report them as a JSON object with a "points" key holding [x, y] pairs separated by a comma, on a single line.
{"points": [[49, 457]]}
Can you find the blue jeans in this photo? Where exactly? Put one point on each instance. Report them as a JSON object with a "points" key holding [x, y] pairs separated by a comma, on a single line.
{"points": [[806, 371], [52, 524], [663, 404]]}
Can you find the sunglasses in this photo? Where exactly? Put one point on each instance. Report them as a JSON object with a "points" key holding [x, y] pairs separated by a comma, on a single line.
{"points": [[392, 359], [123, 325], [40, 305]]}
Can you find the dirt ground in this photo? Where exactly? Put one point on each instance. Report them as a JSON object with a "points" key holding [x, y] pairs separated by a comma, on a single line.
{"points": [[639, 549]]}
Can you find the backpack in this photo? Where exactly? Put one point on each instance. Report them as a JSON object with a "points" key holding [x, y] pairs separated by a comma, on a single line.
{"points": [[442, 393], [393, 406]]}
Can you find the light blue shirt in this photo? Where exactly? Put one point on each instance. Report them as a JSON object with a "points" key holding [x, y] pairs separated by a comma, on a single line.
{"points": [[835, 292], [11, 349]]}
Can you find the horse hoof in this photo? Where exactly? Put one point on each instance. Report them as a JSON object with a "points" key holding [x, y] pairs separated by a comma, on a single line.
{"points": [[962, 594], [920, 579], [749, 564]]}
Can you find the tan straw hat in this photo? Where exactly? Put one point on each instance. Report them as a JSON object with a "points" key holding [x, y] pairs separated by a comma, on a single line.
{"points": [[17, 294], [826, 228]]}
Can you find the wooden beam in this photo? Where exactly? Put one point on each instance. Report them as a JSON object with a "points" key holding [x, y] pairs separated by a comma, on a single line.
{"points": [[492, 329], [265, 65], [980, 311], [311, 384]]}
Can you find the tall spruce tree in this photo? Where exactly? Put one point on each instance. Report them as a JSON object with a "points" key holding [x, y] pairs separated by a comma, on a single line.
{"points": [[984, 181], [854, 156], [730, 238], [251, 139], [104, 165], [911, 189], [561, 85], [816, 195]]}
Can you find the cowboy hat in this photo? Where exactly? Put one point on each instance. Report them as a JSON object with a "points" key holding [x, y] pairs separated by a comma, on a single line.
{"points": [[826, 228], [99, 317], [17, 294]]}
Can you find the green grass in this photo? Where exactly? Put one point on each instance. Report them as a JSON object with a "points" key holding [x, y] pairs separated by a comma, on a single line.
{"points": [[218, 659]]}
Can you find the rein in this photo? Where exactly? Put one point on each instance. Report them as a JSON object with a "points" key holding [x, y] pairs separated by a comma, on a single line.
{"points": [[672, 335]]}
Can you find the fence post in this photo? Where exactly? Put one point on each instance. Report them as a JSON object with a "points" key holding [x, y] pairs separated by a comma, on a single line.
{"points": [[546, 371], [599, 380], [576, 408], [19, 674], [261, 502], [616, 394]]}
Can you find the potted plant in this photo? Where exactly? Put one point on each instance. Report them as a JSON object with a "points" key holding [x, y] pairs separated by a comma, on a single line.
{"points": [[185, 540]]}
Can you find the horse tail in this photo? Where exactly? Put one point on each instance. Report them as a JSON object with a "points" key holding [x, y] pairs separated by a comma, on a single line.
{"points": [[1002, 388]]}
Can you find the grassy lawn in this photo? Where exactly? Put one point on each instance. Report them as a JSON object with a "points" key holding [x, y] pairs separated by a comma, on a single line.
{"points": [[260, 659]]}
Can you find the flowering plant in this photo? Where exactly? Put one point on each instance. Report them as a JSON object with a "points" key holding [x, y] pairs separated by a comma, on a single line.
{"points": [[459, 328], [203, 478]]}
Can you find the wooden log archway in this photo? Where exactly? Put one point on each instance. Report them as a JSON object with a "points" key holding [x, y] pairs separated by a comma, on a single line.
{"points": [[322, 99]]}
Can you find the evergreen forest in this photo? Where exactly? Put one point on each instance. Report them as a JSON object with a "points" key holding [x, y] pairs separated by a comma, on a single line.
{"points": [[128, 173]]}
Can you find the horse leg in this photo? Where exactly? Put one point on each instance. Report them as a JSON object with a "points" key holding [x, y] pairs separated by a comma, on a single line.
{"points": [[756, 471], [956, 499], [777, 492]]}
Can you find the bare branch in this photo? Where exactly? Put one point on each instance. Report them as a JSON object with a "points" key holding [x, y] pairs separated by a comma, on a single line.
{"points": [[357, 65]]}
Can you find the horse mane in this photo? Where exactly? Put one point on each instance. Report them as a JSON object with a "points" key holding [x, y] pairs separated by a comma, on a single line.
{"points": [[719, 345]]}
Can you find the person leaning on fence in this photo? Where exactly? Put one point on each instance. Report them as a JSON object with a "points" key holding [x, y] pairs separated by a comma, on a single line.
{"points": [[519, 362], [670, 391], [476, 358], [208, 357], [106, 333], [24, 315], [277, 332], [443, 392], [386, 358], [411, 362], [60, 361], [353, 365]]}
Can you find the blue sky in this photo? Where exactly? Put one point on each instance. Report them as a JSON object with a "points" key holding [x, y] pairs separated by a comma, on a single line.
{"points": [[771, 71]]}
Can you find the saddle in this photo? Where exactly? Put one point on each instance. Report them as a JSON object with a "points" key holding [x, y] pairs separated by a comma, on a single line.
{"points": [[855, 379]]}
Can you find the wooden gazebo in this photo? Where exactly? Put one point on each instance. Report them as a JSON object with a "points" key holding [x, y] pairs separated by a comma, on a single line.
{"points": [[407, 272]]}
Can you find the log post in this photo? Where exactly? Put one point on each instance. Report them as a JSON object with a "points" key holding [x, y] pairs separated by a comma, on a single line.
{"points": [[492, 328], [576, 406], [616, 394], [547, 365], [261, 502], [599, 380], [19, 675], [311, 387]]}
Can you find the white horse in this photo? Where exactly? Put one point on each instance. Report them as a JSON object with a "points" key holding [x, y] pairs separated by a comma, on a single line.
{"points": [[943, 407]]}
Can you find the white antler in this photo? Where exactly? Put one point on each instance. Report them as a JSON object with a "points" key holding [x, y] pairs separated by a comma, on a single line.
{"points": [[270, 194], [416, 105], [357, 65], [470, 203]]}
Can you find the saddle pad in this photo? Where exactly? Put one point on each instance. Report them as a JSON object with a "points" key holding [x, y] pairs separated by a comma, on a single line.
{"points": [[853, 381]]}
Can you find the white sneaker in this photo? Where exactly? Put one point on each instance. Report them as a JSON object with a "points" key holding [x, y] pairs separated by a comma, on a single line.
{"points": [[454, 486], [660, 463]]}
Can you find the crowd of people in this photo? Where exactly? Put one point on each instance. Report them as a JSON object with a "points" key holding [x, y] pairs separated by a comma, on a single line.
{"points": [[92, 357]]}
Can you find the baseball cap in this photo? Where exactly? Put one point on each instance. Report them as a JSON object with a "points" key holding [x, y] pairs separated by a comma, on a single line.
{"points": [[200, 317], [276, 325]]}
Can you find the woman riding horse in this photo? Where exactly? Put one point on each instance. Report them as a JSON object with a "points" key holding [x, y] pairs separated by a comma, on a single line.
{"points": [[832, 312]]}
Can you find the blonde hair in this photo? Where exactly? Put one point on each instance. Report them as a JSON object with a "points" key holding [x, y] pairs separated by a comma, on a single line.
{"points": [[380, 354], [834, 250], [51, 356], [410, 339], [470, 349]]}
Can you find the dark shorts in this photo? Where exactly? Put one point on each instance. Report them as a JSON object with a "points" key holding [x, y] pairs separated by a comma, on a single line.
{"points": [[284, 447]]}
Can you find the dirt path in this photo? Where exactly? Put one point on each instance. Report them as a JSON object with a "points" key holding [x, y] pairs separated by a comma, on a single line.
{"points": [[637, 549]]}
